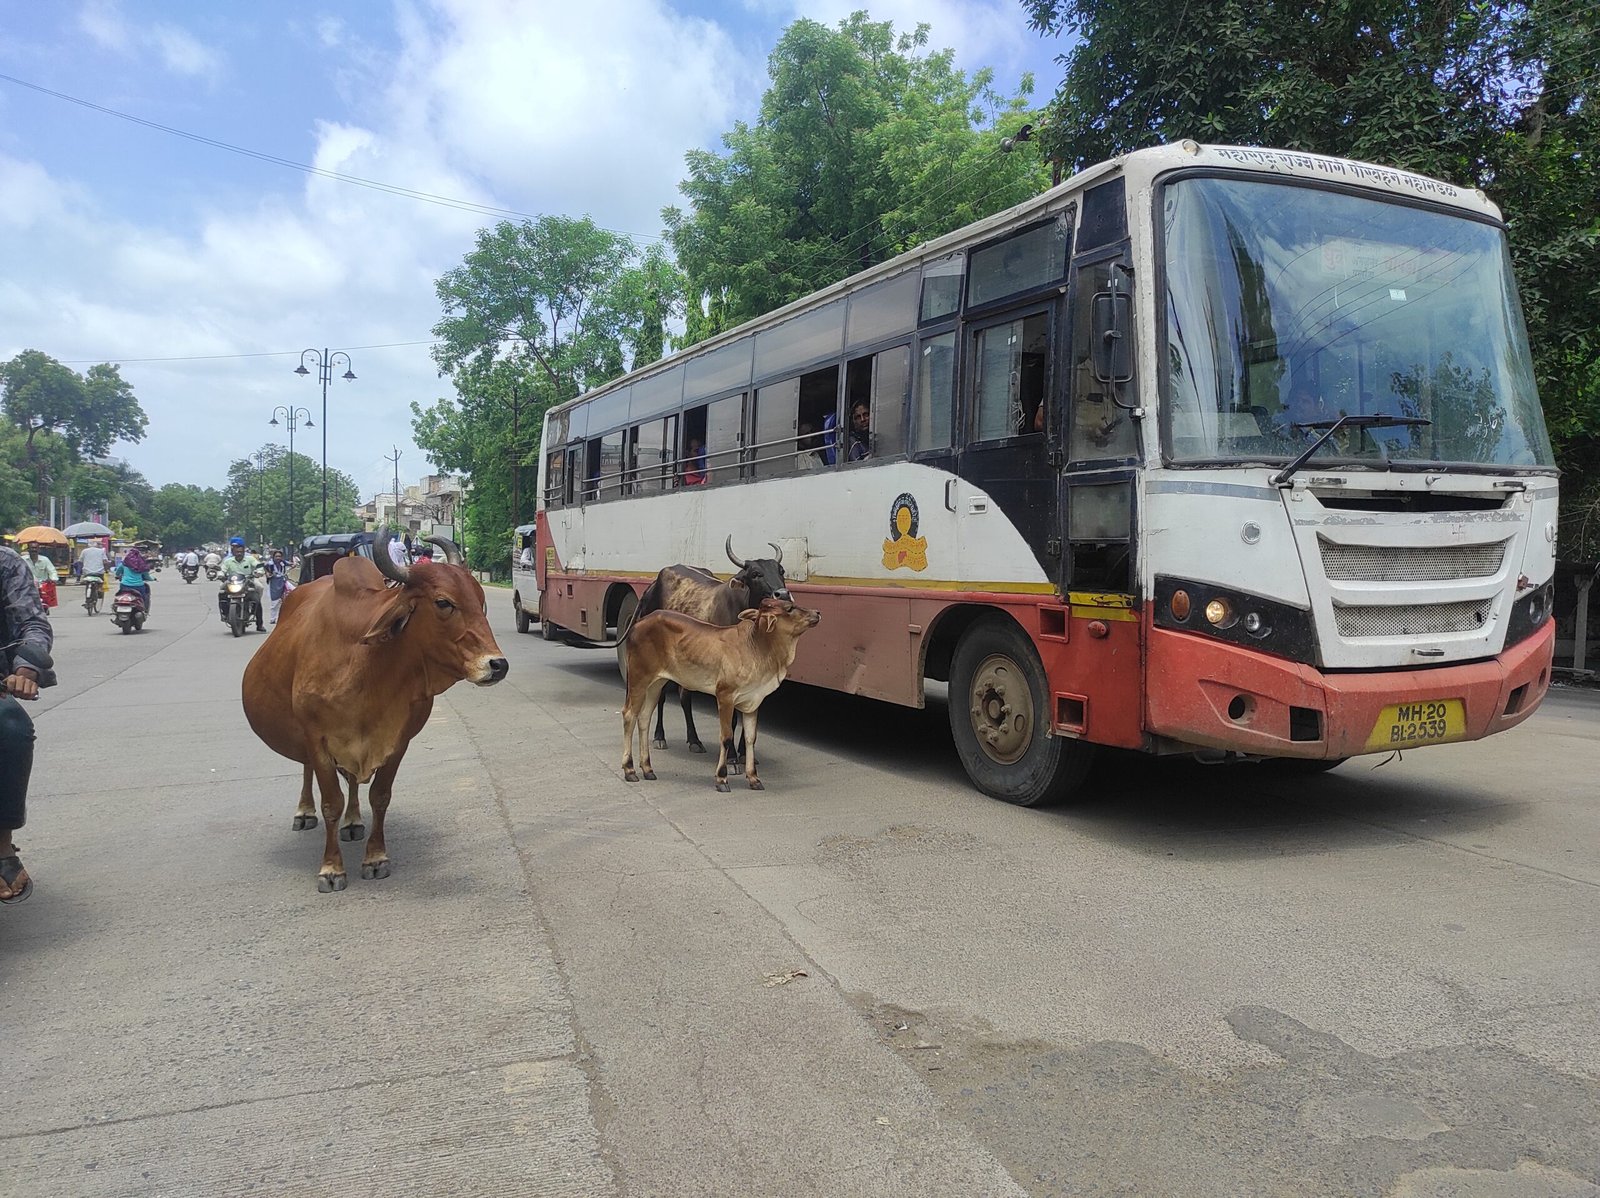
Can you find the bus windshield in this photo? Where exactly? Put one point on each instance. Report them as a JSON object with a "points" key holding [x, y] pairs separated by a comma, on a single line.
{"points": [[1290, 306]]}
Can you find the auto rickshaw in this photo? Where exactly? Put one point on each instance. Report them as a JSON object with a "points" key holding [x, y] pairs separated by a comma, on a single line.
{"points": [[318, 553]]}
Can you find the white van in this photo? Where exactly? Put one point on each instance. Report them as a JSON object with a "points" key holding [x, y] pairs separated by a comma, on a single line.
{"points": [[523, 581]]}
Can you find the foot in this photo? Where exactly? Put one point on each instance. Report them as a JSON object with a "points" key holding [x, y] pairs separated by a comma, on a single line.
{"points": [[352, 831], [15, 885], [327, 883], [302, 822]]}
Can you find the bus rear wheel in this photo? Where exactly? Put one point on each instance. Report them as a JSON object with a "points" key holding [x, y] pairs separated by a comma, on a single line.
{"points": [[1000, 719]]}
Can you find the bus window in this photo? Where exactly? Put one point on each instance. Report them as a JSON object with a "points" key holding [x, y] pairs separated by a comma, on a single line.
{"points": [[772, 444], [891, 379], [941, 288], [692, 465], [818, 405], [612, 461], [591, 469], [1100, 428], [555, 492], [653, 455], [936, 389], [1030, 260], [724, 437], [1009, 372]]}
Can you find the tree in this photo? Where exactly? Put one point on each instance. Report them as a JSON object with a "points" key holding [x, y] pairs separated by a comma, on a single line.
{"points": [[90, 412], [183, 515], [95, 485], [866, 145], [537, 313], [1490, 93], [256, 503]]}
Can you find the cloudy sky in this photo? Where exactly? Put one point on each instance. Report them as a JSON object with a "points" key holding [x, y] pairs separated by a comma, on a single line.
{"points": [[204, 271]]}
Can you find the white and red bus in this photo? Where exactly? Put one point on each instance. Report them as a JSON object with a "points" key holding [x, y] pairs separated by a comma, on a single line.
{"points": [[1210, 450]]}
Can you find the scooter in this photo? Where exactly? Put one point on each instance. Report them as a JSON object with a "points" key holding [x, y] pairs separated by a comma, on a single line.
{"points": [[128, 611], [211, 573], [190, 573], [92, 593], [241, 601]]}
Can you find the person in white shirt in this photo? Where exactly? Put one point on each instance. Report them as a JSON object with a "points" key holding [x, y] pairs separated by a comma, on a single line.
{"points": [[191, 559], [93, 560], [397, 550]]}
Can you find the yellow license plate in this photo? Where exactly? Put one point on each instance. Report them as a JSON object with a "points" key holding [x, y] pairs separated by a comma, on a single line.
{"points": [[1423, 722]]}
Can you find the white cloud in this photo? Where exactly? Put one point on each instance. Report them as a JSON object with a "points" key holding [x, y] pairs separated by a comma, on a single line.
{"points": [[177, 50]]}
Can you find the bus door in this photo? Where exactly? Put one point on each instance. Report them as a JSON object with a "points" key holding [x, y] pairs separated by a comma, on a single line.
{"points": [[1007, 481]]}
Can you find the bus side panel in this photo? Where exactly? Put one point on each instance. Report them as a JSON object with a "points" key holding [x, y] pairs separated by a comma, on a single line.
{"points": [[866, 644], [1103, 672], [576, 603]]}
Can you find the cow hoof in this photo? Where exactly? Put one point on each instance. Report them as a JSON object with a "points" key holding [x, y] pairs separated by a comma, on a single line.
{"points": [[328, 883], [302, 822], [696, 747], [375, 869], [352, 832], [659, 743], [629, 776], [649, 775], [722, 788], [755, 784]]}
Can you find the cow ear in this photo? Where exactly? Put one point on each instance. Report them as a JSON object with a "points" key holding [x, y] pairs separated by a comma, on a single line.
{"points": [[749, 613], [391, 619], [736, 581]]}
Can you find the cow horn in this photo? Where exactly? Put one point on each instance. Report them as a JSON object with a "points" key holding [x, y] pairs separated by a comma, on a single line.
{"points": [[733, 557], [387, 566], [452, 551], [777, 551]]}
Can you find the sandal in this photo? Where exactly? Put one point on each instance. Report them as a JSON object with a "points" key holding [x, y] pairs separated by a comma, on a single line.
{"points": [[10, 871]]}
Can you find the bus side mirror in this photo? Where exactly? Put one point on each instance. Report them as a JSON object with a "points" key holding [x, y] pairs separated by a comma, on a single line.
{"points": [[1112, 349]]}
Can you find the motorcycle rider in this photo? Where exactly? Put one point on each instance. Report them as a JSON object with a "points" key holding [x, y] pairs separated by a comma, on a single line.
{"points": [[134, 575], [240, 562]]}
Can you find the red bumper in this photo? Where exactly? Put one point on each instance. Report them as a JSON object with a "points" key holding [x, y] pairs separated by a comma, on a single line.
{"points": [[1222, 696]]}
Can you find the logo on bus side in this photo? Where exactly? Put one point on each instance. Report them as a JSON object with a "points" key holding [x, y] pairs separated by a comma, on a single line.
{"points": [[904, 550]]}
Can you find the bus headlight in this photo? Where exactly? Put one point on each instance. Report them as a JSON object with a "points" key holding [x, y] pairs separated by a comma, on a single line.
{"points": [[1530, 613], [1261, 624]]}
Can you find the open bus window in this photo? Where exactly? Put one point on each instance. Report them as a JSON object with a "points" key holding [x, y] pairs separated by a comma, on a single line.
{"points": [[693, 469], [724, 437], [1011, 367], [591, 469], [936, 388]]}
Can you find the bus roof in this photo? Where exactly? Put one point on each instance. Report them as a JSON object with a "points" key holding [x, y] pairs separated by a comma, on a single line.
{"points": [[1140, 167]]}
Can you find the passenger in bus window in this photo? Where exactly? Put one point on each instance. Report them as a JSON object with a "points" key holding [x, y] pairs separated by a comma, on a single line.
{"points": [[860, 431], [694, 470], [1038, 418]]}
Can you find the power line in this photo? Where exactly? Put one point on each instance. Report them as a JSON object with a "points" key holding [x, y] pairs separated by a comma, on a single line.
{"points": [[276, 353], [409, 193]]}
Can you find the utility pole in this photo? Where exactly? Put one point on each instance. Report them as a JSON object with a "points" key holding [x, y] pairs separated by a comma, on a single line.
{"points": [[396, 460]]}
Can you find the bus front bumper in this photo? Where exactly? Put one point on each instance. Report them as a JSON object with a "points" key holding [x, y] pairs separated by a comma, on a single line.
{"points": [[1214, 695]]}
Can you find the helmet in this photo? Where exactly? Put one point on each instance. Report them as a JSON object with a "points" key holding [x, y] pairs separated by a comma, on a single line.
{"points": [[236, 541]]}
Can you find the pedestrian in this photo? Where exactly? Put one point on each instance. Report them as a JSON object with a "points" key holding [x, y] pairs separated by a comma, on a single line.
{"points": [[25, 666], [277, 582], [397, 550], [44, 573]]}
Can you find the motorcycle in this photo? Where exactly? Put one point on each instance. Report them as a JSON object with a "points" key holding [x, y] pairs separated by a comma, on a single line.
{"points": [[241, 601], [128, 610], [211, 573], [190, 573], [92, 593]]}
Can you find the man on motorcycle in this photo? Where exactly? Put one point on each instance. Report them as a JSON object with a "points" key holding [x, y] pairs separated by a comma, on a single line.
{"points": [[240, 562]]}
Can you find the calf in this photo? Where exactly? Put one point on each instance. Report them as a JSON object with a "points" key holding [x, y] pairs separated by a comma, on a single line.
{"points": [[740, 665], [699, 593]]}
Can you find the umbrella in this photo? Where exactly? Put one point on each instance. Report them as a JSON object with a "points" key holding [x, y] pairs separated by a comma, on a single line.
{"points": [[86, 528], [41, 534]]}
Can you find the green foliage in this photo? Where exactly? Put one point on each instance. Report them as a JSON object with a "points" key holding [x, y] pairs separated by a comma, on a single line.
{"points": [[183, 515], [256, 503], [866, 146], [1490, 93], [537, 313]]}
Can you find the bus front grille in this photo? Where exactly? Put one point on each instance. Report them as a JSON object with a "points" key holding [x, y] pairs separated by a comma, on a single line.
{"points": [[1413, 619], [1431, 563]]}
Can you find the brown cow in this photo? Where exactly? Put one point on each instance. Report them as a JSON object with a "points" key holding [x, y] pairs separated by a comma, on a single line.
{"points": [[348, 677], [740, 665], [699, 593]]}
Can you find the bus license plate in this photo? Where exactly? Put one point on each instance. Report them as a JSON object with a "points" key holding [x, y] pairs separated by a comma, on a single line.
{"points": [[1425, 722]]}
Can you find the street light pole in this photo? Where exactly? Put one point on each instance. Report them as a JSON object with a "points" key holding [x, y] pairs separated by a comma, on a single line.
{"points": [[325, 362], [261, 497], [292, 416]]}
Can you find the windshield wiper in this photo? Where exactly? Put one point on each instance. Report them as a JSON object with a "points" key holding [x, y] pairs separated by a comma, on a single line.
{"points": [[1355, 420]]}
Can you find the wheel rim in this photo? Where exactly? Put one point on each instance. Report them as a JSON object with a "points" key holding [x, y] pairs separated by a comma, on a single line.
{"points": [[1001, 708]]}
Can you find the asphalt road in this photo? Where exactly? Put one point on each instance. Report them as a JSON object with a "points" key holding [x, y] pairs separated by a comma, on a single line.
{"points": [[866, 980]]}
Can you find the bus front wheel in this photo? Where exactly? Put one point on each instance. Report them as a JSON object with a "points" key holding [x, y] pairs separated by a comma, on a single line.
{"points": [[522, 616], [1000, 719]]}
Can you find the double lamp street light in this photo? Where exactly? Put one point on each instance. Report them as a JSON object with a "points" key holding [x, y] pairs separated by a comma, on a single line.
{"points": [[324, 362], [294, 417]]}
